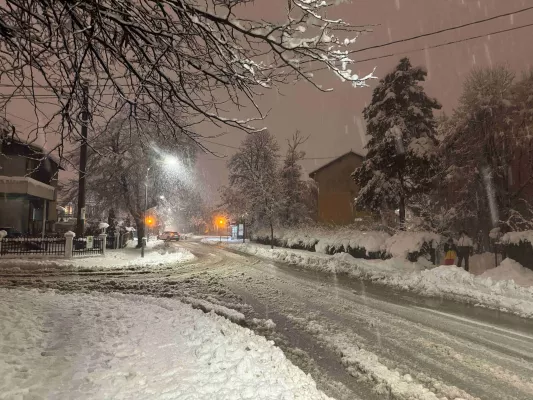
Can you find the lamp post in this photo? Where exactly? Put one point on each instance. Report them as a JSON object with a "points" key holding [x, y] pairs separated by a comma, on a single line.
{"points": [[143, 240], [168, 160]]}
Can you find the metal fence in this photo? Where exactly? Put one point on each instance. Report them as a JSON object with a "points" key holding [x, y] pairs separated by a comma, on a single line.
{"points": [[33, 245], [89, 245], [114, 242]]}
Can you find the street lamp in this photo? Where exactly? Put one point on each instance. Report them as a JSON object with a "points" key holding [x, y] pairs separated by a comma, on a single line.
{"points": [[168, 160], [220, 222]]}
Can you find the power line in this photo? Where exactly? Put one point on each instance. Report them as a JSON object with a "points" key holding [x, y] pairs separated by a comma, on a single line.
{"points": [[51, 96], [218, 144], [446, 43], [442, 30], [22, 119], [305, 158], [22, 96]]}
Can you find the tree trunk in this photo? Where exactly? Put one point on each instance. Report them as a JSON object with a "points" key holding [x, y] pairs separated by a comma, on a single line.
{"points": [[271, 235], [402, 202], [402, 212], [140, 231]]}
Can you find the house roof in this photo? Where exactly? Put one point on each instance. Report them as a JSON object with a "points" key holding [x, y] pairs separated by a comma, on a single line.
{"points": [[351, 152], [37, 150]]}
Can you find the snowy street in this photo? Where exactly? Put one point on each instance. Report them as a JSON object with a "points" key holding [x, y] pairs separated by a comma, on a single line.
{"points": [[356, 340]]}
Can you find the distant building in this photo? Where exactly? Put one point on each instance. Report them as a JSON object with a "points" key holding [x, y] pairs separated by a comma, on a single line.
{"points": [[28, 186], [337, 190]]}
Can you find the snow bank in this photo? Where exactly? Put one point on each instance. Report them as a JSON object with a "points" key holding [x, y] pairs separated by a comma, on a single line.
{"points": [[455, 283], [444, 281], [340, 263], [403, 243], [97, 346], [157, 253], [218, 309], [510, 270]]}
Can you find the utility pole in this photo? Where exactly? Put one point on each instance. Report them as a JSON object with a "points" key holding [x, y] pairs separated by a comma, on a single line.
{"points": [[80, 218]]}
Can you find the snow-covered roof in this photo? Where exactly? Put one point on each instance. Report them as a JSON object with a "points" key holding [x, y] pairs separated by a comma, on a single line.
{"points": [[33, 148], [351, 152], [26, 185]]}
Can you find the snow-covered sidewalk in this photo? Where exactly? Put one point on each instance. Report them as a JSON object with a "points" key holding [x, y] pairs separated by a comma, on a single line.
{"points": [[157, 253], [97, 346], [490, 289]]}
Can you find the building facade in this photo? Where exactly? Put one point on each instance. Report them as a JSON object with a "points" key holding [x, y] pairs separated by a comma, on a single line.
{"points": [[337, 190], [28, 186]]}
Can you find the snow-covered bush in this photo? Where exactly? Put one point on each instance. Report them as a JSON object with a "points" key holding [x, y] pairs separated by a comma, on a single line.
{"points": [[412, 245], [519, 247], [294, 238], [358, 243], [517, 237]]}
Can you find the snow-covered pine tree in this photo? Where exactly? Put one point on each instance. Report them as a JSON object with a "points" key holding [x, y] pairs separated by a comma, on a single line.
{"points": [[402, 150]]}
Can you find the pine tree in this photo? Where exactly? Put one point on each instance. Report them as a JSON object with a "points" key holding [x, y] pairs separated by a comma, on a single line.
{"points": [[402, 150]]}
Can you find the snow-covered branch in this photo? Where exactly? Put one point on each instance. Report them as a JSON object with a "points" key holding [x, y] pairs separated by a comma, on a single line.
{"points": [[165, 59]]}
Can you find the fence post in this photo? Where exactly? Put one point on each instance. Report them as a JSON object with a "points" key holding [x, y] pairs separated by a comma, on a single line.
{"points": [[103, 238], [3, 234], [69, 244], [117, 239]]}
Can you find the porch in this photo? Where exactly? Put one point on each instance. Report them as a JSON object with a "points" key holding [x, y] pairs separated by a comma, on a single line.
{"points": [[27, 205]]}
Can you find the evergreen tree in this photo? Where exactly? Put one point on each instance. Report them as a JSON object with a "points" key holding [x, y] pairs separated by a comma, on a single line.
{"points": [[402, 150]]}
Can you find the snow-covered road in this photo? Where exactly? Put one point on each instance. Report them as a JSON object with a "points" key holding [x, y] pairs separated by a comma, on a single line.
{"points": [[357, 340]]}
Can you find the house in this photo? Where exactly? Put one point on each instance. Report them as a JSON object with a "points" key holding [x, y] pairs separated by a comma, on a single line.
{"points": [[28, 186], [337, 190]]}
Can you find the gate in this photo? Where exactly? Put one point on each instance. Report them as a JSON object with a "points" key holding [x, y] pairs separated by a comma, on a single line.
{"points": [[88, 245]]}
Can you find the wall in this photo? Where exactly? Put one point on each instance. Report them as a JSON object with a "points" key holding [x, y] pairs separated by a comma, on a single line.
{"points": [[12, 165], [337, 190], [14, 213]]}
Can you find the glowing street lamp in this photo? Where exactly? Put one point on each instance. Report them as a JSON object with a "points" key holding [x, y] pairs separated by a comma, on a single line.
{"points": [[167, 160], [170, 160], [220, 223]]}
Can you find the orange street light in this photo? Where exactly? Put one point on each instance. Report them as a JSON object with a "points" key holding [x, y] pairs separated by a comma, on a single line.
{"points": [[150, 221]]}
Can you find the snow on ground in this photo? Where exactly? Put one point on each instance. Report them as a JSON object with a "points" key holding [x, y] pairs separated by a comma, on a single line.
{"points": [[157, 253], [446, 281], [96, 346], [361, 362], [218, 239], [510, 269]]}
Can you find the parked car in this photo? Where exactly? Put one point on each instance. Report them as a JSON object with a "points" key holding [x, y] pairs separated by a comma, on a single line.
{"points": [[11, 232], [169, 236]]}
